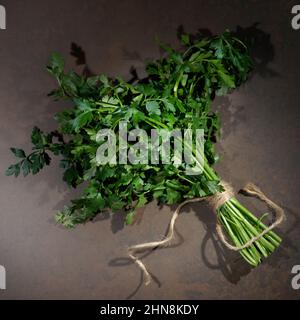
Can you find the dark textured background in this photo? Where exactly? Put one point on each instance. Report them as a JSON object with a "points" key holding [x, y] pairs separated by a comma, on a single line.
{"points": [[260, 143]]}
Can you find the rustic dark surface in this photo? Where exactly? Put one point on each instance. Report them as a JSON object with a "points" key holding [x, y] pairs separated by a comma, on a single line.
{"points": [[260, 143]]}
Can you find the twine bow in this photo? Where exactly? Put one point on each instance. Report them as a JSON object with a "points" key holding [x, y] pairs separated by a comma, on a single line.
{"points": [[215, 201]]}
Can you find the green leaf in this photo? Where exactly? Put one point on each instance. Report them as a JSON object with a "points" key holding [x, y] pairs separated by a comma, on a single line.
{"points": [[104, 80], [70, 176], [153, 108], [82, 120], [18, 152], [173, 196], [158, 194], [115, 202], [97, 204], [37, 137], [83, 104], [184, 80], [26, 167], [227, 79], [56, 64], [89, 174], [10, 170], [138, 183], [142, 201], [218, 45], [13, 170], [69, 86], [107, 172], [180, 106], [126, 179], [65, 217], [169, 106], [130, 217], [213, 186], [36, 163]]}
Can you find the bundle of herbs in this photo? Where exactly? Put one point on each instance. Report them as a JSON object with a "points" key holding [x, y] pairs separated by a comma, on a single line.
{"points": [[177, 93]]}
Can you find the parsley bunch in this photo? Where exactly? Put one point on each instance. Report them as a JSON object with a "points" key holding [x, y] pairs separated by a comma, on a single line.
{"points": [[177, 93]]}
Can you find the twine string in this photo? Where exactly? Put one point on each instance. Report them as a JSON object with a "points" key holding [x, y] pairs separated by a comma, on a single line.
{"points": [[215, 201]]}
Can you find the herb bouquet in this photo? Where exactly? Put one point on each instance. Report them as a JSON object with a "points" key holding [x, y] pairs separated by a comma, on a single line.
{"points": [[177, 93]]}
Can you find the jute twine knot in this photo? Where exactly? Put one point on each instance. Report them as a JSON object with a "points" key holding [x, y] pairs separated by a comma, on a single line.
{"points": [[215, 202]]}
